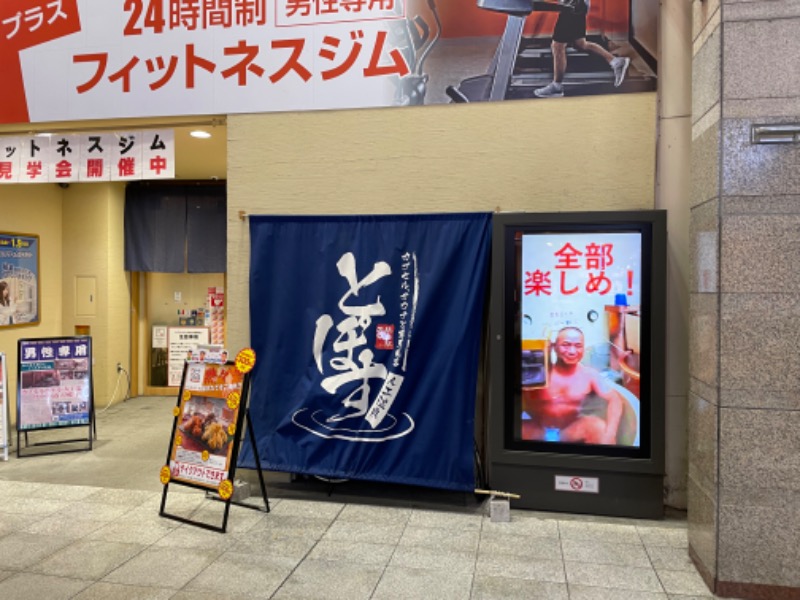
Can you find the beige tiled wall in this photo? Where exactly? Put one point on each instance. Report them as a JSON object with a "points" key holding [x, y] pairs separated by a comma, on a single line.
{"points": [[591, 153], [39, 214], [93, 246]]}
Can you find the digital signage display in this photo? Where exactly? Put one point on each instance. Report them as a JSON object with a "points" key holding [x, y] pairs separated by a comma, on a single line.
{"points": [[577, 361], [577, 349], [580, 338]]}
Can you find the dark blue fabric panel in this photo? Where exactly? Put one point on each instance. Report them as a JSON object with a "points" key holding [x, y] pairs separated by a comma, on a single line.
{"points": [[155, 229], [367, 332], [207, 235]]}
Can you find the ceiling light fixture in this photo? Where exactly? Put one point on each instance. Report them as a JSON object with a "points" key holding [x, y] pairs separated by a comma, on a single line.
{"points": [[200, 134]]}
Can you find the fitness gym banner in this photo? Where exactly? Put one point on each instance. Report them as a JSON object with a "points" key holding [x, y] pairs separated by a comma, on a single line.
{"points": [[367, 332], [84, 59]]}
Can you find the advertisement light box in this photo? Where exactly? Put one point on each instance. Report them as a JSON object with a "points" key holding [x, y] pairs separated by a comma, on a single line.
{"points": [[577, 358]]}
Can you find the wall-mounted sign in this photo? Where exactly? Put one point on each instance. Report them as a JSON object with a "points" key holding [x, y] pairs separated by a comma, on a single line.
{"points": [[88, 157], [159, 336], [19, 279], [83, 59]]}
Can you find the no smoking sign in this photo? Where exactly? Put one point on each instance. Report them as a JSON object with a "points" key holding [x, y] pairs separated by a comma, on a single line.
{"points": [[574, 483]]}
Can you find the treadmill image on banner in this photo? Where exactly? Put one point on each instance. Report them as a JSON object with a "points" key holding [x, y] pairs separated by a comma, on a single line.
{"points": [[617, 54]]}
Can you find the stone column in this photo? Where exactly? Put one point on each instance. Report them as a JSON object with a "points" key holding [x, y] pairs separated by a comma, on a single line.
{"points": [[744, 409]]}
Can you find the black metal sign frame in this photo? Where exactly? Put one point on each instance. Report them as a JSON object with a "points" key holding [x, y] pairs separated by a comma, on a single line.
{"points": [[60, 372], [242, 418]]}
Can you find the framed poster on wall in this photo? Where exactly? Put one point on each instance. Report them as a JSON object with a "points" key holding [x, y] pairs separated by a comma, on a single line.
{"points": [[19, 279]]}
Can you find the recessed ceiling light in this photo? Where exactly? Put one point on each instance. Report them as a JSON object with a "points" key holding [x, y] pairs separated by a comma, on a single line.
{"points": [[199, 133]]}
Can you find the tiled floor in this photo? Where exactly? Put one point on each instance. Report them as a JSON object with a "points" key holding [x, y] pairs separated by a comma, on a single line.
{"points": [[102, 538]]}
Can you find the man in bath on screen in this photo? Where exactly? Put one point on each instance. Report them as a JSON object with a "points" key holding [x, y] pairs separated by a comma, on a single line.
{"points": [[558, 412]]}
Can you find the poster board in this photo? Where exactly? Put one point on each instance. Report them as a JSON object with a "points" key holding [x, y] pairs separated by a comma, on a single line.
{"points": [[207, 430], [180, 342], [207, 423], [3, 407], [54, 386], [19, 280]]}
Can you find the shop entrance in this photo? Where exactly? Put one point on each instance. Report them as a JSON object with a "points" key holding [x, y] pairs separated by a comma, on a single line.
{"points": [[175, 249], [175, 310]]}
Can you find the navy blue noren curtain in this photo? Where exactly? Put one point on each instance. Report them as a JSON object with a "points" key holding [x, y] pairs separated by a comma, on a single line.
{"points": [[206, 221], [367, 332], [168, 225]]}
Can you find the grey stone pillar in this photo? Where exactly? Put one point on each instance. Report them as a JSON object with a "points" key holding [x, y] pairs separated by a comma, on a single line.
{"points": [[744, 404]]}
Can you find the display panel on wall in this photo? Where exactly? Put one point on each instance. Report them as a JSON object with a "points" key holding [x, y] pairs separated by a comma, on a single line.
{"points": [[80, 59], [54, 383], [19, 279]]}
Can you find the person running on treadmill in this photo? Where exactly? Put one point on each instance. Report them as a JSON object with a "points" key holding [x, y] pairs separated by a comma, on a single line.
{"points": [[571, 29]]}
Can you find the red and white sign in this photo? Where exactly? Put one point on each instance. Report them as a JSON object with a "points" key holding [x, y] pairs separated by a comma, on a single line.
{"points": [[68, 60], [573, 483], [84, 59], [88, 157]]}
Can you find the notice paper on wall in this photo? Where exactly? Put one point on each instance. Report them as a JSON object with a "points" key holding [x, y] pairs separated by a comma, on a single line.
{"points": [[181, 341]]}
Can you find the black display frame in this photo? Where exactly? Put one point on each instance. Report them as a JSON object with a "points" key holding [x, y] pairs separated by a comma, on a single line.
{"points": [[630, 483], [60, 446], [242, 420]]}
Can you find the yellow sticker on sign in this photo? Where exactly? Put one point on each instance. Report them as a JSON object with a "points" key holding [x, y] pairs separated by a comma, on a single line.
{"points": [[246, 360], [225, 489]]}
